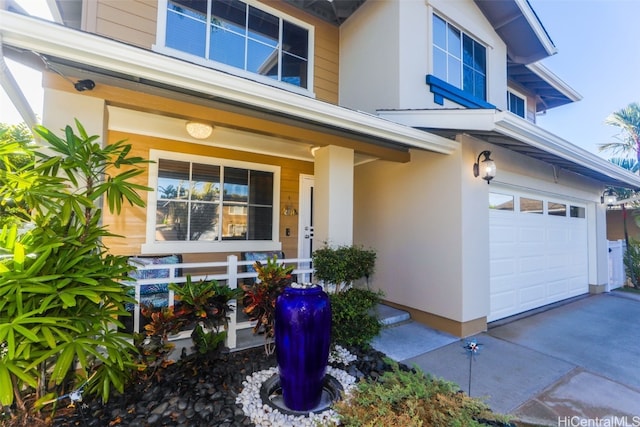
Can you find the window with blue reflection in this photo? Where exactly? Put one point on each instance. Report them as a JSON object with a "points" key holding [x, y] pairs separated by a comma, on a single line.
{"points": [[458, 59], [243, 36]]}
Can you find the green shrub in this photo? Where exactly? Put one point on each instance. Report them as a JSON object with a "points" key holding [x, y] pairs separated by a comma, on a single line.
{"points": [[353, 318], [409, 398], [342, 265], [60, 289]]}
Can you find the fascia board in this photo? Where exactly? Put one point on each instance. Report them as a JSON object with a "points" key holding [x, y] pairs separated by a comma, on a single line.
{"points": [[534, 136], [536, 26], [554, 81], [476, 119], [85, 48]]}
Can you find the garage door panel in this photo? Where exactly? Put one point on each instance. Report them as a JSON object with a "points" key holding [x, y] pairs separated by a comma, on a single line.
{"points": [[503, 233], [557, 288], [532, 263], [536, 259], [503, 302], [502, 268]]}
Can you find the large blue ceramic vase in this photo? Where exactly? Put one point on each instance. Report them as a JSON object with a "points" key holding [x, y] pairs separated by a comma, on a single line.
{"points": [[302, 335]]}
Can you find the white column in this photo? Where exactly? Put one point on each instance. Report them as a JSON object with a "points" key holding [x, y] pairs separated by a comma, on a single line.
{"points": [[62, 108], [333, 197]]}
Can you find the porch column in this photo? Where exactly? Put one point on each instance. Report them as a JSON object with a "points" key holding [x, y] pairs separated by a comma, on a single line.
{"points": [[333, 197], [61, 108]]}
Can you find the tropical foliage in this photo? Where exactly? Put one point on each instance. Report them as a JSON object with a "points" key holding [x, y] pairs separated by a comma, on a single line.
{"points": [[628, 121], [628, 144], [260, 297], [60, 289]]}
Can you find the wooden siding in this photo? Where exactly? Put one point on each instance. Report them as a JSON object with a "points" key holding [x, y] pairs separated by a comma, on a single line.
{"points": [[135, 21], [132, 221], [132, 21]]}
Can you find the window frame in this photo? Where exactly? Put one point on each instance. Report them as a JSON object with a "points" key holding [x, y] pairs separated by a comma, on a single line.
{"points": [[160, 47], [520, 96], [463, 66], [152, 246]]}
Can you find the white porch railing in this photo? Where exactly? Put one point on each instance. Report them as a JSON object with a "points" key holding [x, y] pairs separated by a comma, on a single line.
{"points": [[617, 274], [232, 272]]}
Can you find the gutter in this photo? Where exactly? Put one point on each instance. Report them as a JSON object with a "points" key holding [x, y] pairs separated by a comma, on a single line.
{"points": [[10, 86], [535, 136], [95, 51]]}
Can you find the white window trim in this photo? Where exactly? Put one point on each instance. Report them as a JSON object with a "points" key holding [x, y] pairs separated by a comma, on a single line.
{"points": [[519, 95], [159, 47], [154, 247]]}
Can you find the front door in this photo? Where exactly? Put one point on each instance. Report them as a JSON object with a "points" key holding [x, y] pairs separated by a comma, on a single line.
{"points": [[305, 225]]}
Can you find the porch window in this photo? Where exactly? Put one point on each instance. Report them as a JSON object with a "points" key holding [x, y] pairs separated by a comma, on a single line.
{"points": [[207, 204], [231, 33], [458, 59]]}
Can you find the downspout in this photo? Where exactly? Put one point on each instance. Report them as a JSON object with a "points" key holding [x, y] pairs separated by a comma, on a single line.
{"points": [[10, 86]]}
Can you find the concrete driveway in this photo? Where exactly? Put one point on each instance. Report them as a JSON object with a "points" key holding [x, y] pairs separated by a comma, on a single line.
{"points": [[575, 364]]}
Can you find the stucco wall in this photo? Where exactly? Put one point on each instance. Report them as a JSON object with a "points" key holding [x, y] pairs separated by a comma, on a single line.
{"points": [[385, 53], [428, 220]]}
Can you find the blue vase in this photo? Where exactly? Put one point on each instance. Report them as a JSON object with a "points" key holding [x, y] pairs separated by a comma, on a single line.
{"points": [[303, 338]]}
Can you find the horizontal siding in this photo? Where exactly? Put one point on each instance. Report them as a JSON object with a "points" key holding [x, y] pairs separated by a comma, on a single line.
{"points": [[132, 21], [132, 221]]}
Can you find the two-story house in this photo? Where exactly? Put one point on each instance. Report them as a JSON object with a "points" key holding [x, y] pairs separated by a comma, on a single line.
{"points": [[285, 125]]}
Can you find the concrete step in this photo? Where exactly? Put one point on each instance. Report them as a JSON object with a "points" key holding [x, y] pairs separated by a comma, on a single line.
{"points": [[390, 316]]}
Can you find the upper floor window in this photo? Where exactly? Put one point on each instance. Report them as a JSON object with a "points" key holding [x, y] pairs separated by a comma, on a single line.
{"points": [[516, 104], [240, 35], [199, 201], [458, 59]]}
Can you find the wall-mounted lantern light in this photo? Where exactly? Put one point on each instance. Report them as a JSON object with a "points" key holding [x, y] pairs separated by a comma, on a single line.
{"points": [[609, 197], [486, 168]]}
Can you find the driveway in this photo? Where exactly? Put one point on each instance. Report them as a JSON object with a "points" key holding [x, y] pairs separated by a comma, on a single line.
{"points": [[572, 364]]}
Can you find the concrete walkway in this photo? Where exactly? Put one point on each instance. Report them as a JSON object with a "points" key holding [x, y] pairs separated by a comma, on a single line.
{"points": [[572, 364]]}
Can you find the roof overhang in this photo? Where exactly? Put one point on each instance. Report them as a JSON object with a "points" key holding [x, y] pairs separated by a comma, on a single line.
{"points": [[550, 90], [98, 54], [509, 131], [519, 27]]}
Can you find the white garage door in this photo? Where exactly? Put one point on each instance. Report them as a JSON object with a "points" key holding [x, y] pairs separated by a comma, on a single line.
{"points": [[539, 253]]}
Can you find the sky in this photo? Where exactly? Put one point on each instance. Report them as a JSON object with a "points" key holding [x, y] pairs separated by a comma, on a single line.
{"points": [[598, 43]]}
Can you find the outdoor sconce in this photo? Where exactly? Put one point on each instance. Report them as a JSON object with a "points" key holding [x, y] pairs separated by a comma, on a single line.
{"points": [[199, 130], [485, 168], [609, 197], [289, 210]]}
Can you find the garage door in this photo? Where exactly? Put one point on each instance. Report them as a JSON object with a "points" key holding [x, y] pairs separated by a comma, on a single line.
{"points": [[539, 254]]}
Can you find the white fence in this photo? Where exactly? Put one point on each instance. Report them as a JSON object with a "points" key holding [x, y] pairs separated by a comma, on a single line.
{"points": [[617, 275], [232, 272]]}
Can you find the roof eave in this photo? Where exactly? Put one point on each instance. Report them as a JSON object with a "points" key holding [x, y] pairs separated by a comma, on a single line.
{"points": [[48, 38], [512, 126], [554, 81]]}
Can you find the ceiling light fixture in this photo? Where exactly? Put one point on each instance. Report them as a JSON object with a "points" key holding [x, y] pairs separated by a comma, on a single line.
{"points": [[199, 130]]}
